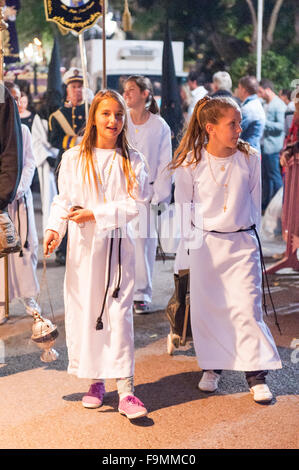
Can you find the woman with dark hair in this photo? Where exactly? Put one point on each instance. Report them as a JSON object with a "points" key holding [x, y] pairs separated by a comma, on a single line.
{"points": [[26, 115], [149, 133]]}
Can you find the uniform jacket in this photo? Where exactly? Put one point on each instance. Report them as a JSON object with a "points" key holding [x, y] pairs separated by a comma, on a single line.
{"points": [[75, 116]]}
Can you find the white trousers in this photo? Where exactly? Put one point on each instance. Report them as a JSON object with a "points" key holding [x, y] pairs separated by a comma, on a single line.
{"points": [[145, 236], [144, 267]]}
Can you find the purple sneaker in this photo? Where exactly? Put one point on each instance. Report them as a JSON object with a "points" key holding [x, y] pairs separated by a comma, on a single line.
{"points": [[94, 397], [132, 407]]}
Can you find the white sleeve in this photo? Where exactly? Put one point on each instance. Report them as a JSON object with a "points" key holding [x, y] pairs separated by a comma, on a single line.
{"points": [[255, 188], [61, 203], [190, 213], [41, 147], [28, 163], [115, 214], [163, 182], [183, 185]]}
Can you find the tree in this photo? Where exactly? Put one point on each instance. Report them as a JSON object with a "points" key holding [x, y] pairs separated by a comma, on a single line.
{"points": [[276, 67], [268, 34], [220, 33]]}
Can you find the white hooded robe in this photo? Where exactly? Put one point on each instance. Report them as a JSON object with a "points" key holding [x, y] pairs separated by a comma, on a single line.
{"points": [[106, 353], [225, 272]]}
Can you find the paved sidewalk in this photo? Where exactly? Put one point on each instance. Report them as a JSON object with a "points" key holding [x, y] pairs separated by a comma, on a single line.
{"points": [[40, 404]]}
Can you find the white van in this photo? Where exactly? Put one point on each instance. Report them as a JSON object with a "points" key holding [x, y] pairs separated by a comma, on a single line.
{"points": [[130, 57]]}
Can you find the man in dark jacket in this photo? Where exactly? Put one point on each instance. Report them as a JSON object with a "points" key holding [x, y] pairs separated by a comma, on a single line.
{"points": [[11, 148], [11, 162]]}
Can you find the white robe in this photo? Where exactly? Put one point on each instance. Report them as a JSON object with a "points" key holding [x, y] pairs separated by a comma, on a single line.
{"points": [[107, 353], [22, 270], [153, 140], [42, 150], [225, 274]]}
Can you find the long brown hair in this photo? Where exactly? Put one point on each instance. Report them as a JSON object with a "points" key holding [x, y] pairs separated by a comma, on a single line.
{"points": [[206, 110], [90, 137], [144, 84]]}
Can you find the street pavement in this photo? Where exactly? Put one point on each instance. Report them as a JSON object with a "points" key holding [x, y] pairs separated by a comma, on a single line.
{"points": [[40, 404]]}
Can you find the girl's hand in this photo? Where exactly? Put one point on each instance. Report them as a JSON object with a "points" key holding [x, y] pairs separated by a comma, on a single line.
{"points": [[51, 241], [79, 215]]}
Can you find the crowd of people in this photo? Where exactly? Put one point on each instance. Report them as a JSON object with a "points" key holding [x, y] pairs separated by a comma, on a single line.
{"points": [[103, 178]]}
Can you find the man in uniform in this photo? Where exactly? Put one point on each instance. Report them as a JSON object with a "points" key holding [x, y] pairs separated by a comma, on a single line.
{"points": [[65, 125]]}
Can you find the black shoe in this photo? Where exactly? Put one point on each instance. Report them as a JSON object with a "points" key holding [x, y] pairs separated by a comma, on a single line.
{"points": [[141, 307], [60, 259]]}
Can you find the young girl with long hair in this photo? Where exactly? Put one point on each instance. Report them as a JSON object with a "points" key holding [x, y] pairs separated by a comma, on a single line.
{"points": [[102, 182], [218, 172], [149, 133]]}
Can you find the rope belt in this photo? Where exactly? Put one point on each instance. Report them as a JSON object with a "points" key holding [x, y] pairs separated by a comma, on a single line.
{"points": [[264, 273], [26, 244], [99, 322]]}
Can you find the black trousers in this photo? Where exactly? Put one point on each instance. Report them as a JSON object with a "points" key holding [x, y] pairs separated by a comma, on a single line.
{"points": [[255, 377]]}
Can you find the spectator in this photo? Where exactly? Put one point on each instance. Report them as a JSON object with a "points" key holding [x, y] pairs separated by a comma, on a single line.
{"points": [[222, 85], [285, 96], [26, 115], [272, 141], [253, 114], [197, 90], [291, 141], [185, 95]]}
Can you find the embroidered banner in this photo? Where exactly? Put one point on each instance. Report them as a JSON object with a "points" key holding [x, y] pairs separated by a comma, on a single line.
{"points": [[10, 36], [75, 15]]}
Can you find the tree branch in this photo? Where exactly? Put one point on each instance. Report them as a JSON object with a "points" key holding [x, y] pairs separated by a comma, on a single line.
{"points": [[254, 20], [273, 21]]}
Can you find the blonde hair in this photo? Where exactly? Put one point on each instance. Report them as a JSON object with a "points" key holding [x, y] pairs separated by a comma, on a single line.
{"points": [[90, 137], [206, 110]]}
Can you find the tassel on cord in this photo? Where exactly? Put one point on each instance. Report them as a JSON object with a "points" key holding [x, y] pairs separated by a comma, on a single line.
{"points": [[127, 19], [26, 244], [19, 227]]}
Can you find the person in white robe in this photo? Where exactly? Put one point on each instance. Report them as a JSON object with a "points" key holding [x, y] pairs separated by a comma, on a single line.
{"points": [[223, 183], [99, 279], [22, 276], [149, 133], [45, 157]]}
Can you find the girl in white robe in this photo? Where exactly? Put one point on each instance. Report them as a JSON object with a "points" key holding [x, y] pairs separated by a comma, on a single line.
{"points": [[149, 133], [101, 183], [219, 177], [22, 278]]}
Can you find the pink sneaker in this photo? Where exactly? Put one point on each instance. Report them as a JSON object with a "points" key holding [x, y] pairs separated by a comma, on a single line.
{"points": [[94, 397], [132, 407]]}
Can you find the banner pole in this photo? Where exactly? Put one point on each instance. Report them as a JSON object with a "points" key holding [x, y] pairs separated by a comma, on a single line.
{"points": [[6, 286], [104, 78], [84, 69]]}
